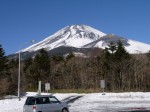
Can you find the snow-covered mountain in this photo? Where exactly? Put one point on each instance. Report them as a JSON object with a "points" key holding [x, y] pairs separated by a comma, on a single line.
{"points": [[131, 46], [70, 36], [82, 36]]}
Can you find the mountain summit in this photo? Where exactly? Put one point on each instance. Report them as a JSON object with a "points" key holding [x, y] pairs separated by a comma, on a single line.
{"points": [[82, 36], [70, 36]]}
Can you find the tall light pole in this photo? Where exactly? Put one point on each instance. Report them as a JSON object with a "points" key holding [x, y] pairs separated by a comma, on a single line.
{"points": [[32, 41], [19, 77]]}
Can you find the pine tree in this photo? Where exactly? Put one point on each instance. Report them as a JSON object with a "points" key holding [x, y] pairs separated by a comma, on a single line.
{"points": [[13, 68], [121, 62], [37, 69], [117, 59], [41, 66], [110, 51], [121, 52], [112, 47], [57, 58], [42, 61], [3, 63], [70, 55], [4, 83]]}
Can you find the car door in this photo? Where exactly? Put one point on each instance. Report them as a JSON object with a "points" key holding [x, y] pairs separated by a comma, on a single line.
{"points": [[44, 103], [55, 104]]}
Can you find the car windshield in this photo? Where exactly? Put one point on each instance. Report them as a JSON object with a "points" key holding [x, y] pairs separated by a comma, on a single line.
{"points": [[54, 100]]}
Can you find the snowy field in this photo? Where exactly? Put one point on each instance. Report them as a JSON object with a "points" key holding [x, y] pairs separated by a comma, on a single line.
{"points": [[93, 102]]}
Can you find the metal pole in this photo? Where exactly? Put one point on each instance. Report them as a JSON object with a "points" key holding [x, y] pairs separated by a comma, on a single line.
{"points": [[19, 77], [32, 41]]}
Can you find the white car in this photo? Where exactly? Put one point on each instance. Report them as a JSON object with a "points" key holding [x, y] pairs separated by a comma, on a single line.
{"points": [[44, 103]]}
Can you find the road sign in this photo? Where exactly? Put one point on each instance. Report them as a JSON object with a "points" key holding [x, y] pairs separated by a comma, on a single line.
{"points": [[102, 83], [47, 86]]}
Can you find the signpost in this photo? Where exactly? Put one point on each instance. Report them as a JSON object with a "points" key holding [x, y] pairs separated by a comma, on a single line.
{"points": [[102, 85], [39, 88]]}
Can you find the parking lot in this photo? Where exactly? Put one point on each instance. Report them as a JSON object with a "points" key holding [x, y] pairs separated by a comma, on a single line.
{"points": [[93, 102]]}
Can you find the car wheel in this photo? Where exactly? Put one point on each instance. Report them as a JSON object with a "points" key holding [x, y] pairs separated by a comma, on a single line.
{"points": [[65, 110]]}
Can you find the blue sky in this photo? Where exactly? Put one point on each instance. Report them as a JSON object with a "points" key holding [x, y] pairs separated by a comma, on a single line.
{"points": [[24, 20]]}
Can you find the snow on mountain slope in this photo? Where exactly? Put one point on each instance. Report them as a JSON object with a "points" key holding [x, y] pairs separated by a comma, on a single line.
{"points": [[82, 36], [137, 47], [130, 45], [134, 47], [74, 36]]}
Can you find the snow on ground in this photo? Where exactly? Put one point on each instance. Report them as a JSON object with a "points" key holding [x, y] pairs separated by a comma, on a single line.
{"points": [[93, 102], [111, 102]]}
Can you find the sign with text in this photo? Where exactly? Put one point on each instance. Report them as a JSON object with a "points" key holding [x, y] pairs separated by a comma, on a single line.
{"points": [[47, 86], [102, 83]]}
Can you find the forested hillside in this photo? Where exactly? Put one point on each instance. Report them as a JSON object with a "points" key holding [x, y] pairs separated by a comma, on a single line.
{"points": [[121, 71]]}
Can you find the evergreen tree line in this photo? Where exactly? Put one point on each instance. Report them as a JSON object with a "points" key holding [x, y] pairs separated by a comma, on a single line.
{"points": [[120, 70]]}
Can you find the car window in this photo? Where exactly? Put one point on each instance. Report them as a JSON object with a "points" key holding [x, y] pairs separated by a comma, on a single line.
{"points": [[42, 100], [53, 100], [30, 101]]}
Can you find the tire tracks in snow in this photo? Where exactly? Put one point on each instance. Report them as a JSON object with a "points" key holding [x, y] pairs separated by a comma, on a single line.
{"points": [[71, 99]]}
